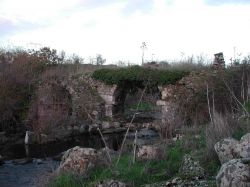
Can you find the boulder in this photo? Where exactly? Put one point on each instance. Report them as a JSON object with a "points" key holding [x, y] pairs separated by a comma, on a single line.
{"points": [[243, 148], [191, 169], [226, 149], [111, 183], [233, 174], [79, 160], [150, 152]]}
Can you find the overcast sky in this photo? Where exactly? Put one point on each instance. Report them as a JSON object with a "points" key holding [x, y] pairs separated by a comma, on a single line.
{"points": [[116, 28]]}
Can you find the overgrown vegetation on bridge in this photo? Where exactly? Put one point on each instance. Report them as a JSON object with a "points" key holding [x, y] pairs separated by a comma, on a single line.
{"points": [[139, 74]]}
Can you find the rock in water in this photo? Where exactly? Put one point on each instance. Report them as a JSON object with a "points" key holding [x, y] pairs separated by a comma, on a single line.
{"points": [[79, 160]]}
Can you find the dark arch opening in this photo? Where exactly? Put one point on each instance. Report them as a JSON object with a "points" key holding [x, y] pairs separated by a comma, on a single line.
{"points": [[127, 97]]}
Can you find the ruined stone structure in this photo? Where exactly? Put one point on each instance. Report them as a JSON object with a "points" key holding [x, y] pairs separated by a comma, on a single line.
{"points": [[114, 96], [65, 103], [52, 105], [85, 99], [219, 62]]}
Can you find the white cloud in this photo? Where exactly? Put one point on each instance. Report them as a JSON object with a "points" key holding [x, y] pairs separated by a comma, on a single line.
{"points": [[171, 27]]}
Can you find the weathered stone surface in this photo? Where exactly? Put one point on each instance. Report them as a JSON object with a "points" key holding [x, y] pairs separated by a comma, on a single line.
{"points": [[219, 62], [233, 174], [107, 125], [150, 152], [226, 149], [229, 148], [191, 168], [111, 183], [79, 160], [160, 103], [178, 182], [166, 92], [243, 148]]}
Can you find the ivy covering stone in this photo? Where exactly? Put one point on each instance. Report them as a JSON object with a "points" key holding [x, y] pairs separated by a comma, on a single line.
{"points": [[138, 74]]}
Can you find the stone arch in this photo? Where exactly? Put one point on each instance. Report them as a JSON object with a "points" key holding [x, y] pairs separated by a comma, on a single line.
{"points": [[115, 95], [50, 107]]}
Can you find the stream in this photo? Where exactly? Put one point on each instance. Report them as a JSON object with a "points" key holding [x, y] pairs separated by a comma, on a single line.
{"points": [[37, 172]]}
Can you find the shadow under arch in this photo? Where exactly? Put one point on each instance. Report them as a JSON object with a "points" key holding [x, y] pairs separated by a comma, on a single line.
{"points": [[130, 92]]}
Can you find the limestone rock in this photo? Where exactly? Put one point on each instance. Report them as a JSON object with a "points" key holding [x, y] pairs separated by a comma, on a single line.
{"points": [[243, 148], [111, 183], [233, 174], [178, 182], [107, 125], [226, 149], [79, 160], [190, 168], [150, 152]]}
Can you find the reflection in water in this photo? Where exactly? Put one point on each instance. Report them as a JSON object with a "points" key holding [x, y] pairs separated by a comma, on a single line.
{"points": [[51, 149], [27, 152]]}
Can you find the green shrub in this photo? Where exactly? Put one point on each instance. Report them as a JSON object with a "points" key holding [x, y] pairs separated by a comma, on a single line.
{"points": [[138, 74], [174, 157]]}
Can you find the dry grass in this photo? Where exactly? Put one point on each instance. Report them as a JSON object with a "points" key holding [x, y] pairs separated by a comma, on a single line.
{"points": [[223, 126]]}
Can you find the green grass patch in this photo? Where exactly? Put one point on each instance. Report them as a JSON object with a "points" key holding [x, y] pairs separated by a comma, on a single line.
{"points": [[137, 174], [142, 172], [145, 172], [66, 180]]}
